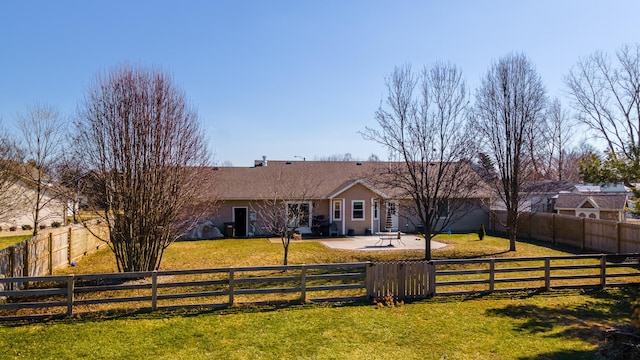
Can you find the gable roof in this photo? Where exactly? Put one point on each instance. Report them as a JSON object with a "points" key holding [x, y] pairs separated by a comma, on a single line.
{"points": [[319, 179], [603, 201]]}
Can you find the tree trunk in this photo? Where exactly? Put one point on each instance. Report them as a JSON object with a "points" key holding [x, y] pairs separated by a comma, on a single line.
{"points": [[285, 245]]}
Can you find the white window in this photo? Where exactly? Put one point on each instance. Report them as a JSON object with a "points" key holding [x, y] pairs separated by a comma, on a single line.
{"points": [[357, 210], [298, 214], [337, 210]]}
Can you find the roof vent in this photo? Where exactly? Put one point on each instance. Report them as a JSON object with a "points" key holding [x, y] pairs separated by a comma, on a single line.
{"points": [[288, 163], [358, 163], [264, 160]]}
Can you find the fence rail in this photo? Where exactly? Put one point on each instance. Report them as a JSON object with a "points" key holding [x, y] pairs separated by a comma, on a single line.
{"points": [[55, 296], [52, 296]]}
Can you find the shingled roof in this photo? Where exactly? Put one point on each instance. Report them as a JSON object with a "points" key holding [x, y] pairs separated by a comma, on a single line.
{"points": [[603, 201], [321, 178]]}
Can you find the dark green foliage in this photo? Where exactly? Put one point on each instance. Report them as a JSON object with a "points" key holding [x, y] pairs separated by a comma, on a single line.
{"points": [[481, 232]]}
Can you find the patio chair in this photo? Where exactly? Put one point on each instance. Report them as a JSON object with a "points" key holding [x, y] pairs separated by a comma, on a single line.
{"points": [[333, 229]]}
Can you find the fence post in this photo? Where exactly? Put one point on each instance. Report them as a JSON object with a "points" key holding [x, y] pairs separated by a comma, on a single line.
{"points": [[69, 246], [50, 253], [547, 274], [432, 278], [553, 228], [603, 270], [70, 290], [584, 233], [492, 274], [12, 263], [303, 284], [231, 286], [154, 290], [25, 263], [618, 237]]}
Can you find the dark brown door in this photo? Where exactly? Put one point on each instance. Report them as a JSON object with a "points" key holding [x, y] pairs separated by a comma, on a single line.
{"points": [[240, 219]]}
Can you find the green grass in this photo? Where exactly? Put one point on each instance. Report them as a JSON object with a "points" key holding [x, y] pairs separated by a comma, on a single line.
{"points": [[6, 241], [556, 325], [525, 325]]}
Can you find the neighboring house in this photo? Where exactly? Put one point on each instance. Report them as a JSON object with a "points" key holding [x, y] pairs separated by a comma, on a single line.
{"points": [[333, 195], [607, 206], [20, 210]]}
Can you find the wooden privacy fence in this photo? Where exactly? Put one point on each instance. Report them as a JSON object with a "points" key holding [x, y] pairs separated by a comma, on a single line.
{"points": [[42, 254], [212, 288], [584, 233], [403, 280]]}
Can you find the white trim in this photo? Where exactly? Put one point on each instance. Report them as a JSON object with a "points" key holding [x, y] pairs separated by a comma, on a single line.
{"points": [[302, 229], [354, 183], [587, 212], [364, 214], [333, 210], [375, 215]]}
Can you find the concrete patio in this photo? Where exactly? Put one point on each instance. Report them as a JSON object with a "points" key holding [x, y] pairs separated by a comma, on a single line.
{"points": [[373, 242]]}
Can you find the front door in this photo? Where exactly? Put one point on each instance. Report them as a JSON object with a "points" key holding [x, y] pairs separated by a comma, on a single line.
{"points": [[240, 221]]}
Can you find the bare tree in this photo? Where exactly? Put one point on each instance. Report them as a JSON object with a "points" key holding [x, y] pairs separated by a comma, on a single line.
{"points": [[69, 175], [145, 149], [549, 143], [285, 207], [423, 124], [43, 135], [336, 157], [11, 193], [606, 97], [510, 103]]}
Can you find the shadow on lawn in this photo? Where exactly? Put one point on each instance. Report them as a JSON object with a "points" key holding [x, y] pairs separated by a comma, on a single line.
{"points": [[586, 322]]}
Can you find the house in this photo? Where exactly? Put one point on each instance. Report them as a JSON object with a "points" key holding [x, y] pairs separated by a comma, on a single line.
{"points": [[598, 205], [17, 201], [337, 195]]}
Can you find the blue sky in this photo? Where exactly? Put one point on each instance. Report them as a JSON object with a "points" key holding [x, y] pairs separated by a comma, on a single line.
{"points": [[289, 78]]}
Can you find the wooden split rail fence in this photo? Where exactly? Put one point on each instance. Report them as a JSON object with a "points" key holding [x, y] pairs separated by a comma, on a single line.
{"points": [[213, 288]]}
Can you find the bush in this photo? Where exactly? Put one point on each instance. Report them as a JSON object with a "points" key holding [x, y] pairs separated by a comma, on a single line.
{"points": [[12, 228], [55, 224], [27, 227], [42, 226], [481, 232]]}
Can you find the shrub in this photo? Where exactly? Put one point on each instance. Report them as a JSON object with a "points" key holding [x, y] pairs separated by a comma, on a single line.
{"points": [[27, 227], [388, 301], [12, 228], [55, 224], [42, 226], [481, 232]]}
